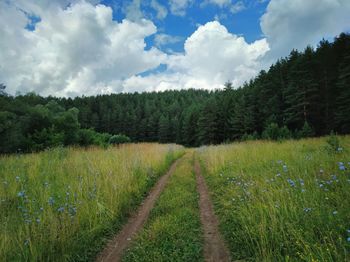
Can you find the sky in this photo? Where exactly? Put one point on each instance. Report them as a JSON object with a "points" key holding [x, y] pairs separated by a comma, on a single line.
{"points": [[86, 47]]}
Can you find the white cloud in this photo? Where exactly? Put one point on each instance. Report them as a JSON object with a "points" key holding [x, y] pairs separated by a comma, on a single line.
{"points": [[212, 57], [237, 7], [295, 24], [233, 7], [220, 3], [73, 51], [179, 7], [133, 10], [161, 10], [164, 39]]}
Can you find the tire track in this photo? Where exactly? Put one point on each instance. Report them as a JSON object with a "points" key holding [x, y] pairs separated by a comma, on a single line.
{"points": [[214, 246]]}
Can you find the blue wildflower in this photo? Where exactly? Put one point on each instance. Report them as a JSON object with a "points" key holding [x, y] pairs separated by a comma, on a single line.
{"points": [[307, 209], [348, 239], [285, 168], [18, 178], [60, 209], [38, 220], [335, 212], [301, 181], [21, 194], [348, 231], [291, 182], [278, 175], [339, 149], [341, 166], [51, 201]]}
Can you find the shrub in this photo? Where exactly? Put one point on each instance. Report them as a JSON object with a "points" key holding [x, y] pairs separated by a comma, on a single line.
{"points": [[119, 139]]}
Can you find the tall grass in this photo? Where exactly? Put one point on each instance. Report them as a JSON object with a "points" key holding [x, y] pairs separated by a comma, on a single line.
{"points": [[286, 201], [173, 231], [60, 204]]}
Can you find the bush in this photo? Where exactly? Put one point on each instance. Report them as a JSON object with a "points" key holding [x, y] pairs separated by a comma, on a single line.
{"points": [[333, 143], [306, 131], [119, 139], [91, 137], [274, 132]]}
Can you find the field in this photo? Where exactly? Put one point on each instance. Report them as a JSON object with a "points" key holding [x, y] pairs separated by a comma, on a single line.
{"points": [[60, 204], [286, 201], [274, 201]]}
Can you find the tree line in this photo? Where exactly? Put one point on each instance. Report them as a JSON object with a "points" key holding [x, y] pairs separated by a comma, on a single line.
{"points": [[304, 94]]}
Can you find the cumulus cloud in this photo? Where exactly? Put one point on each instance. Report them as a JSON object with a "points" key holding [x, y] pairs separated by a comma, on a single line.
{"points": [[202, 66], [72, 51], [295, 24]]}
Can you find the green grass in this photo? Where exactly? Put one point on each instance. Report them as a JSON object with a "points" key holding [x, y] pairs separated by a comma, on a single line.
{"points": [[60, 205], [287, 201], [173, 231]]}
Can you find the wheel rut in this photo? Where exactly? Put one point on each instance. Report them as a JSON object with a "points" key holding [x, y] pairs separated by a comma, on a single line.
{"points": [[214, 246], [116, 247]]}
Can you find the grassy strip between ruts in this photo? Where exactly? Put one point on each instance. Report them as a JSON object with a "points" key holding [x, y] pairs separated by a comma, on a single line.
{"points": [[284, 201], [173, 232]]}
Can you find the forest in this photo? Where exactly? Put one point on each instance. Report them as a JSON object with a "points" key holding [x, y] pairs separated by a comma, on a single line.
{"points": [[302, 95]]}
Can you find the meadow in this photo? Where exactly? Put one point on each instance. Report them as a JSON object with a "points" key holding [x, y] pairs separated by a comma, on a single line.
{"points": [[61, 204], [282, 201]]}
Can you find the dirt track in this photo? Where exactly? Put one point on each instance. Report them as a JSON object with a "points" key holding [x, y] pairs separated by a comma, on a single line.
{"points": [[116, 247], [214, 246]]}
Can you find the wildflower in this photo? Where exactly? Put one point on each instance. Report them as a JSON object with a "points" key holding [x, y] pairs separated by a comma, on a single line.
{"points": [[21, 194], [285, 168], [334, 177], [278, 175], [303, 190], [28, 221], [26, 242], [38, 220], [46, 184], [321, 171], [335, 212], [291, 182], [60, 209], [307, 209], [51, 201], [348, 231], [41, 209], [18, 178], [348, 239], [339, 149], [279, 161], [341, 166], [301, 181]]}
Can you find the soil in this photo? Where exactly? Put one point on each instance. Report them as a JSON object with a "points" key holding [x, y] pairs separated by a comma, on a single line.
{"points": [[214, 246]]}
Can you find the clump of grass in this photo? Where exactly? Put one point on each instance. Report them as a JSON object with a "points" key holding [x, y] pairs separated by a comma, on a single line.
{"points": [[61, 204], [173, 231], [284, 201]]}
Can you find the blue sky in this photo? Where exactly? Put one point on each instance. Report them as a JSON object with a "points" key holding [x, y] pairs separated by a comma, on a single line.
{"points": [[89, 47]]}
